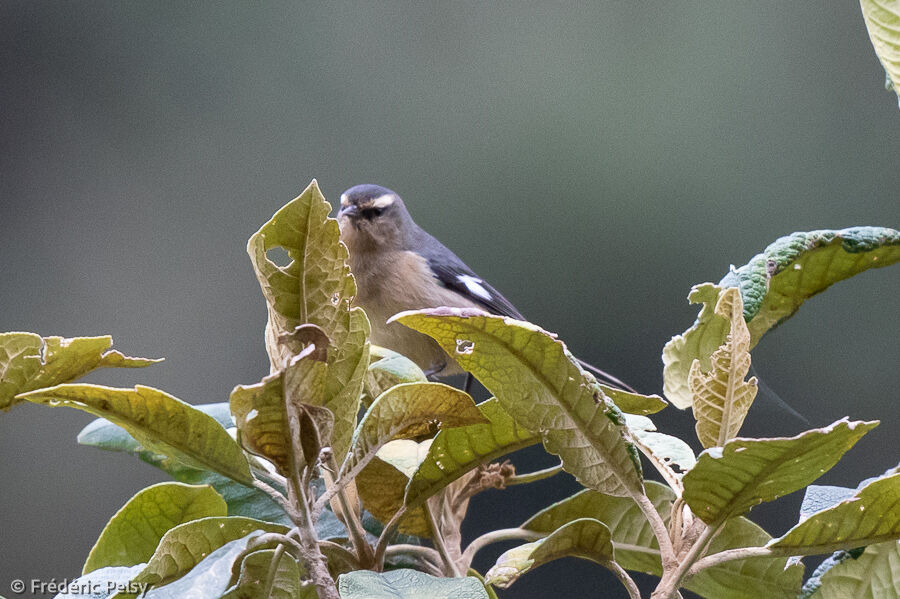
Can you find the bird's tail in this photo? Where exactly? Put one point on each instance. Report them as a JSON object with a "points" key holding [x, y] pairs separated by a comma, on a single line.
{"points": [[605, 377]]}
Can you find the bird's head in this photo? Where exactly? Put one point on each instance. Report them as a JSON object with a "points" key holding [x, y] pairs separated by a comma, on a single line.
{"points": [[372, 216]]}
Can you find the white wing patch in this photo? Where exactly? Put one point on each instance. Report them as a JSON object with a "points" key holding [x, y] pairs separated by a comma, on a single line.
{"points": [[473, 284]]}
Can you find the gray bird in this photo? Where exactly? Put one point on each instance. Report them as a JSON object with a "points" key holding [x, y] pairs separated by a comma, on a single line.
{"points": [[398, 267]]}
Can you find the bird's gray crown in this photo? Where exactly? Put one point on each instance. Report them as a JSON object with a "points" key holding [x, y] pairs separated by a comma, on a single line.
{"points": [[369, 196]]}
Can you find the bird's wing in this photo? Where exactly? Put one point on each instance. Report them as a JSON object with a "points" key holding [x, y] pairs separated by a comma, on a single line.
{"points": [[452, 273]]}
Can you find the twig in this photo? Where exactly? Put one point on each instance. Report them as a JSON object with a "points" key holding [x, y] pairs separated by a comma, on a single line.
{"points": [[431, 559], [495, 536], [342, 552], [624, 578], [522, 479], [273, 570], [354, 526], [386, 534], [277, 498], [660, 531]]}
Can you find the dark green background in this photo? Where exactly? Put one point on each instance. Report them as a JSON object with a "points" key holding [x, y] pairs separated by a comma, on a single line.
{"points": [[593, 161]]}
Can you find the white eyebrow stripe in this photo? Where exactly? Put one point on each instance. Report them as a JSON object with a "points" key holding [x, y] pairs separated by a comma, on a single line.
{"points": [[382, 201], [344, 199], [473, 284]]}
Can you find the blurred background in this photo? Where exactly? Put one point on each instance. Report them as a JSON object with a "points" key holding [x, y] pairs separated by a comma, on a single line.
{"points": [[593, 161]]}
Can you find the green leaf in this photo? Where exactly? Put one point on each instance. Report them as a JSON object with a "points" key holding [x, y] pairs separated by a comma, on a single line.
{"points": [[541, 385], [407, 410], [131, 536], [382, 484], [883, 22], [585, 538], [721, 396], [871, 516], [269, 413], [159, 421], [29, 362], [634, 403], [751, 578], [316, 288], [186, 545], [635, 546], [727, 482], [388, 368], [286, 583], [407, 584], [241, 499], [774, 284], [873, 575], [456, 451]]}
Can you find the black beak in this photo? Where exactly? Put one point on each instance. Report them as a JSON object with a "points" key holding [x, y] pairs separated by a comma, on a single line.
{"points": [[350, 211]]}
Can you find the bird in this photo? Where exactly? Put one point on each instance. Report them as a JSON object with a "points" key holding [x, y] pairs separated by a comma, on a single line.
{"points": [[399, 266]]}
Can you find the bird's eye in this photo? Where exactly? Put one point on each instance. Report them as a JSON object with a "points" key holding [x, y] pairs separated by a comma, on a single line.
{"points": [[371, 213]]}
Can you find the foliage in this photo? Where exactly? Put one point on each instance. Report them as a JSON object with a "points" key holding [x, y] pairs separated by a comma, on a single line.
{"points": [[288, 491]]}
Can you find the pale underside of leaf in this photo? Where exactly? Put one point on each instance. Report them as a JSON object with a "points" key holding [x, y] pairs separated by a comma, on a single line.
{"points": [[721, 396], [883, 23], [382, 484], [873, 575], [159, 421], [540, 384], [407, 584]]}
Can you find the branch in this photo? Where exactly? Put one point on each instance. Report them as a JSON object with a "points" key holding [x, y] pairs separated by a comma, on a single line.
{"points": [[439, 544], [386, 534], [660, 531], [624, 578]]}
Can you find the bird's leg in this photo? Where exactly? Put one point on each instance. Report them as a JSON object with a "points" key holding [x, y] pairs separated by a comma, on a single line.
{"points": [[469, 380], [431, 373]]}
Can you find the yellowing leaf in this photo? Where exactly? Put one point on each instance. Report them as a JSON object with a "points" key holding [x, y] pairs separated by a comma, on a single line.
{"points": [[539, 383], [382, 484], [721, 396], [29, 362], [160, 422]]}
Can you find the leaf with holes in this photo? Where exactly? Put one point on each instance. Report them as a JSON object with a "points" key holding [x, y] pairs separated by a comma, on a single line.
{"points": [[541, 385], [407, 584], [315, 288], [29, 362], [456, 451], [727, 482], [160, 422], [883, 23], [871, 516], [721, 396], [131, 536], [773, 285], [670, 454], [585, 538], [407, 410]]}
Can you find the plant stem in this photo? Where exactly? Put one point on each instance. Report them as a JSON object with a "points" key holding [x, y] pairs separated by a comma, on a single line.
{"points": [[277, 497], [430, 557], [273, 571], [386, 534], [342, 552], [315, 562], [624, 578], [354, 526], [495, 536], [522, 479], [672, 577], [660, 531], [438, 539]]}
